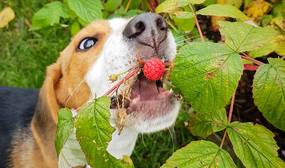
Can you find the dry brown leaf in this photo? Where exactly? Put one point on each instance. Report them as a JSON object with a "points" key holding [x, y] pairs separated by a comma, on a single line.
{"points": [[257, 9], [6, 16]]}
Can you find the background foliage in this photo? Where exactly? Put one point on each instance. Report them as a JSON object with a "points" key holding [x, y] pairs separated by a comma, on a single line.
{"points": [[216, 79]]}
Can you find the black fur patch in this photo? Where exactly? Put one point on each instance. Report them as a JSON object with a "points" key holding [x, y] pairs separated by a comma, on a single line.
{"points": [[16, 111]]}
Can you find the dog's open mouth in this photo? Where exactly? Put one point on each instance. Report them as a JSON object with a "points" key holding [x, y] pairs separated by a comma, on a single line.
{"points": [[147, 99]]}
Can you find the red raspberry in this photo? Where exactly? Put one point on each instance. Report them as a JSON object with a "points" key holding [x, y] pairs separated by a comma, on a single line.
{"points": [[154, 69]]}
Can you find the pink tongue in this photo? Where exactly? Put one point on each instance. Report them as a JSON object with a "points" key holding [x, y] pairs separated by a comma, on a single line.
{"points": [[144, 88]]}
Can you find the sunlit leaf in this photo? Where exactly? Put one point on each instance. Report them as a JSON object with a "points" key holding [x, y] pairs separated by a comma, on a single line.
{"points": [[170, 6], [64, 128], [275, 45], [254, 145], [243, 37], [49, 15], [93, 131], [196, 1], [87, 10], [223, 10], [269, 91], [207, 74], [200, 154], [6, 16]]}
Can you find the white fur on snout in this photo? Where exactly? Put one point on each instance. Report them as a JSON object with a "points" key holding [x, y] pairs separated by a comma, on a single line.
{"points": [[117, 56]]}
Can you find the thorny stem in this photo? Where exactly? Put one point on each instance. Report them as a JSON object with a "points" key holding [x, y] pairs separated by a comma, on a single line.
{"points": [[246, 57], [229, 117], [197, 23], [131, 73]]}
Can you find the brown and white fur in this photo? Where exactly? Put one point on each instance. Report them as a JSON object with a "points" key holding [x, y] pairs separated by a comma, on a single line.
{"points": [[80, 76]]}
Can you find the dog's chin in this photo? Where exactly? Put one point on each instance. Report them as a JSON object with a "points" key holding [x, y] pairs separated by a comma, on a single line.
{"points": [[150, 107]]}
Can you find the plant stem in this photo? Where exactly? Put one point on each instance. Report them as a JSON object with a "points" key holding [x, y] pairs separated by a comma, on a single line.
{"points": [[229, 117], [128, 5], [231, 107], [131, 73], [246, 57], [197, 23]]}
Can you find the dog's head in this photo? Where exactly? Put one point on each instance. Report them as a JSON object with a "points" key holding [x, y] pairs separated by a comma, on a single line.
{"points": [[108, 47]]}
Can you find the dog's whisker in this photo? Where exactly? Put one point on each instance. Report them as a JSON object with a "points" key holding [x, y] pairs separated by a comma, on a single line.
{"points": [[74, 91], [173, 137]]}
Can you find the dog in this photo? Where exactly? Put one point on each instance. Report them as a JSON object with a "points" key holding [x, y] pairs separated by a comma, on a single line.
{"points": [[80, 74]]}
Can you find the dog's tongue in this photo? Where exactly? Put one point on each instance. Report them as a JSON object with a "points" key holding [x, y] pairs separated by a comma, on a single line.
{"points": [[145, 88]]}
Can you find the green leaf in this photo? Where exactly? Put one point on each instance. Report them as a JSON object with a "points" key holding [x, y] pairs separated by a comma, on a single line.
{"points": [[87, 10], [200, 154], [184, 24], [49, 15], [204, 124], [254, 145], [170, 6], [223, 10], [71, 154], [74, 28], [269, 91], [207, 74], [274, 45], [64, 128], [112, 5], [93, 131], [243, 37]]}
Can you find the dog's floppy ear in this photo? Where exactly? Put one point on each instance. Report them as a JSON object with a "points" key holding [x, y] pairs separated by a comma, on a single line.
{"points": [[47, 93]]}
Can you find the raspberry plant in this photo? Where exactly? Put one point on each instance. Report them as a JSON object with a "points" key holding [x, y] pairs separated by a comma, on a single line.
{"points": [[206, 74]]}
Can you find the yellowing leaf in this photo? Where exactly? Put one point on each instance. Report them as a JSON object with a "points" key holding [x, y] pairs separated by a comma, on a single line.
{"points": [[170, 6], [200, 154], [257, 8], [6, 16], [223, 10]]}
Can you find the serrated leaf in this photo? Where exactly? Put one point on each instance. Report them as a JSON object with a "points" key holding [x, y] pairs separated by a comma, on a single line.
{"points": [[71, 154], [170, 6], [207, 74], [6, 16], [87, 10], [200, 154], [49, 15], [93, 131], [275, 45], [64, 128], [243, 37], [223, 10], [254, 145], [204, 124], [269, 91]]}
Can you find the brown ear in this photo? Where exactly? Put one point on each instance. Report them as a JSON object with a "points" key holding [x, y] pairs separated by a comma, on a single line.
{"points": [[47, 93]]}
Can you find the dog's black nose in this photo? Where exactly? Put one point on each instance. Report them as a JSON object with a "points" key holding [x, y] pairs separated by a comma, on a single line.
{"points": [[148, 28]]}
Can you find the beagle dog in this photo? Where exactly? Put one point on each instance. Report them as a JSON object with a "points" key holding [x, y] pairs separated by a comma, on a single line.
{"points": [[28, 118]]}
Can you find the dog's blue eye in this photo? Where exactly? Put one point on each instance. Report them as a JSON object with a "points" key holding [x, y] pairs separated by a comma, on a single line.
{"points": [[87, 43]]}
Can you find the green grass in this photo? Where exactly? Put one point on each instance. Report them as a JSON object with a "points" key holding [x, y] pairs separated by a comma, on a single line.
{"points": [[25, 54]]}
